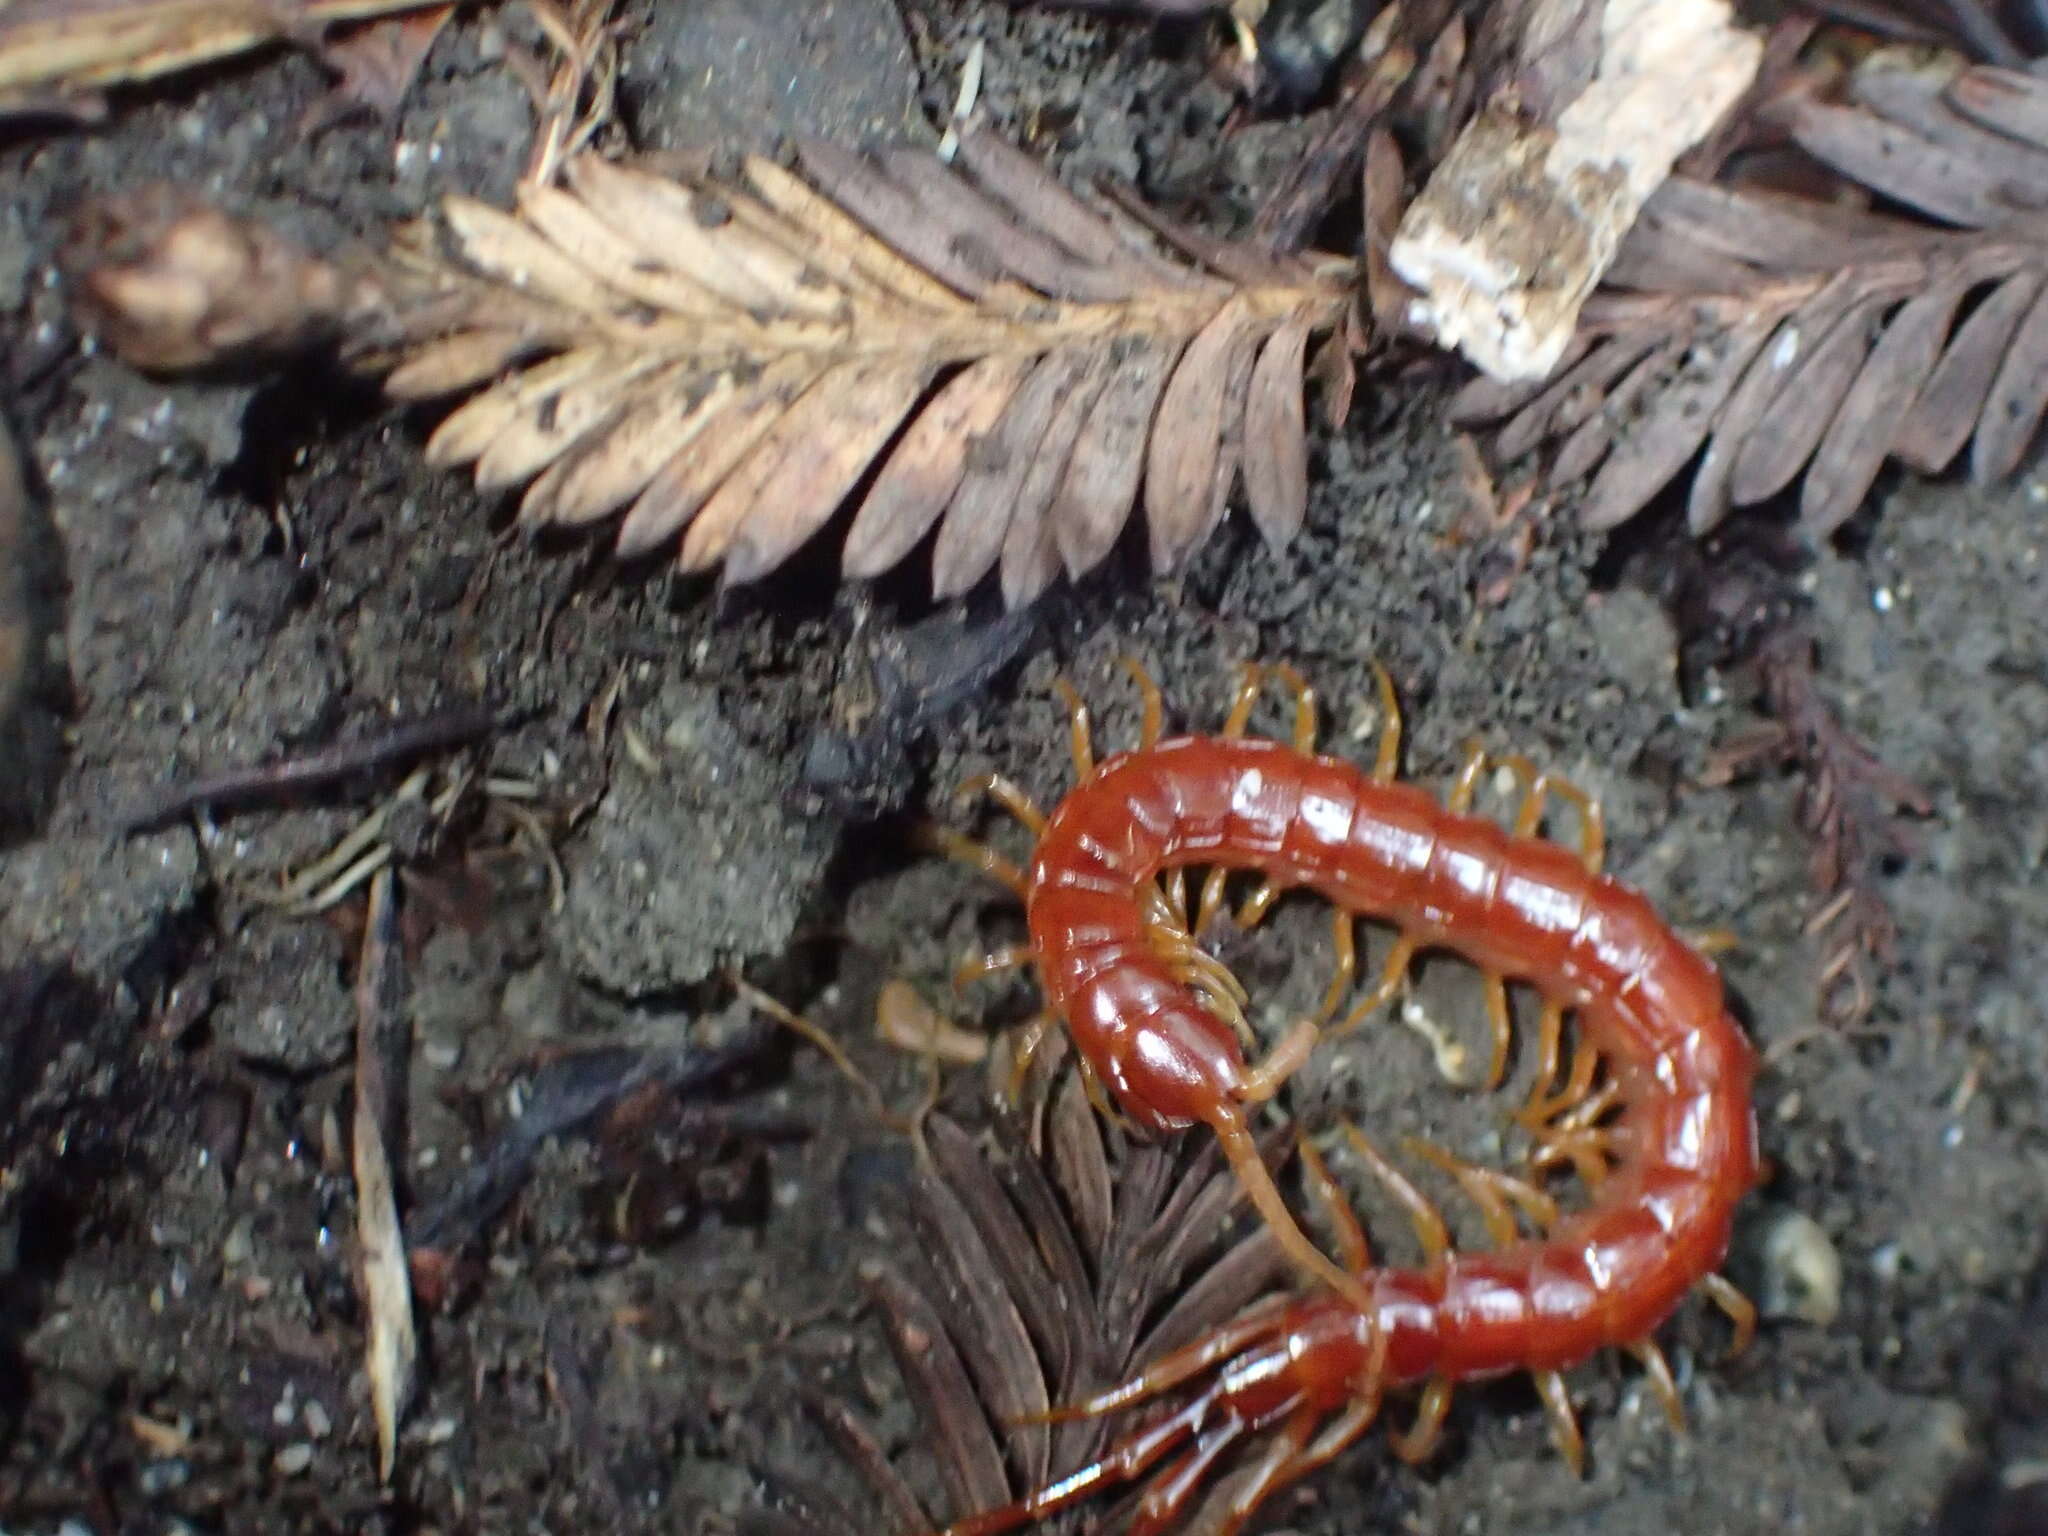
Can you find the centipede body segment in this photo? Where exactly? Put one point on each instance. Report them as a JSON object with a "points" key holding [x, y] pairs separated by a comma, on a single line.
{"points": [[1668, 1141]]}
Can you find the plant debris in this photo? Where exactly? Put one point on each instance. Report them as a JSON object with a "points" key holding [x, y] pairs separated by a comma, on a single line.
{"points": [[1059, 1258], [725, 358], [566, 1094], [383, 1043], [56, 54], [1768, 334], [1848, 807], [234, 787], [1516, 226]]}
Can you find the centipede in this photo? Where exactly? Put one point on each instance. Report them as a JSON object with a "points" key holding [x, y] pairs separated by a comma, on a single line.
{"points": [[1653, 1111]]}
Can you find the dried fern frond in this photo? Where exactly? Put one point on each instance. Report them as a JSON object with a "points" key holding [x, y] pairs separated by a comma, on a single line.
{"points": [[1054, 1265], [1784, 335], [726, 359]]}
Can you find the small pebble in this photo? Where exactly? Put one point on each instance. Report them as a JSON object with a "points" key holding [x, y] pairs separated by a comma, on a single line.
{"points": [[294, 1458], [1802, 1271]]}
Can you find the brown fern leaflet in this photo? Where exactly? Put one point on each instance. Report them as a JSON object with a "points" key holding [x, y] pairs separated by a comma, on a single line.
{"points": [[724, 360], [1783, 334]]}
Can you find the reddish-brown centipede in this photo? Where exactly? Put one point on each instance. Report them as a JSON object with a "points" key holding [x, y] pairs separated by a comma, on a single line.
{"points": [[1153, 1019]]}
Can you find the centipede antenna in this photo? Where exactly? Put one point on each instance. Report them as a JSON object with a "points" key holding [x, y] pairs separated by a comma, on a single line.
{"points": [[1080, 730], [1387, 761], [1564, 1424], [1152, 708], [833, 1052], [1241, 1151]]}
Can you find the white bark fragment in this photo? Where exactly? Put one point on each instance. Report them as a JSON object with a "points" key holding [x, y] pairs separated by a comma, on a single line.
{"points": [[1515, 228]]}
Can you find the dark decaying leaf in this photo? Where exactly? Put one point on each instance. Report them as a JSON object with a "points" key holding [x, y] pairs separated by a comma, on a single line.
{"points": [[1768, 337], [974, 355], [1056, 1258]]}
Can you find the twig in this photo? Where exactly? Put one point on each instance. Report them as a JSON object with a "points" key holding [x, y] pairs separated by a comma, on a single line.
{"points": [[565, 1095], [391, 1347], [235, 787]]}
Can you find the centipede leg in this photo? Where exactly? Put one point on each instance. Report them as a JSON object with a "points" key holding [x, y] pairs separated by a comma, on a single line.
{"points": [[1151, 707], [1549, 1051], [1424, 1217], [1588, 1152], [1251, 678], [1537, 787], [1585, 1062], [1168, 1494], [1564, 1423], [1344, 935], [1007, 793], [1419, 1441], [1465, 784], [1080, 730], [1493, 1209], [1740, 1309], [1502, 1023], [1211, 901], [1304, 705], [1170, 1370], [1008, 958], [1030, 1039], [1128, 1458], [1658, 1370], [1257, 905], [965, 850], [1285, 1458], [1352, 1247], [1393, 976], [1387, 761]]}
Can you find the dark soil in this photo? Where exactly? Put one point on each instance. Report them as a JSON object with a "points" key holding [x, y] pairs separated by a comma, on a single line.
{"points": [[221, 572]]}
